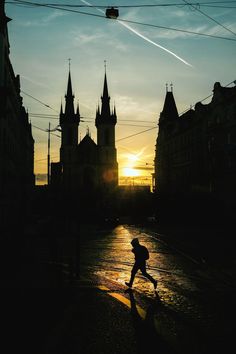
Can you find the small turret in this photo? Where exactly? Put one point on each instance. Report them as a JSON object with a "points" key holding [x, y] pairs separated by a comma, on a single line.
{"points": [[169, 112]]}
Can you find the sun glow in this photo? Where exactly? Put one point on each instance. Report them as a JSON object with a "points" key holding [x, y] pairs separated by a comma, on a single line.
{"points": [[129, 169], [132, 157], [130, 172]]}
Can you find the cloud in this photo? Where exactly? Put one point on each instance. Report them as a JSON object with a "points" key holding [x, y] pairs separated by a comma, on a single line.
{"points": [[99, 38], [139, 34], [44, 21], [84, 38], [37, 83]]}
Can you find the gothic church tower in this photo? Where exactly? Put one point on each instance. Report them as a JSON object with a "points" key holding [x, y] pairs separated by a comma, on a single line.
{"points": [[105, 123], [69, 122]]}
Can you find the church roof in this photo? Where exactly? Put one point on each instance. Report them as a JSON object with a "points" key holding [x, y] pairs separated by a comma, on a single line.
{"points": [[87, 152], [87, 141]]}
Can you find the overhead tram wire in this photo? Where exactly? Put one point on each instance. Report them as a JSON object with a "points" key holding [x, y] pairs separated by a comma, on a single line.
{"points": [[146, 130], [44, 104], [90, 121], [41, 117], [130, 136], [45, 131], [207, 3], [211, 18], [54, 116], [178, 30], [53, 157], [128, 21]]}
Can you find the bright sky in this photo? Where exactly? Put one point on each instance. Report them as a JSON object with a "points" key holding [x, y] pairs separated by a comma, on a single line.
{"points": [[140, 60]]}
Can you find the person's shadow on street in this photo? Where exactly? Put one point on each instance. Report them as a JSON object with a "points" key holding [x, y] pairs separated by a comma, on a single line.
{"points": [[146, 335]]}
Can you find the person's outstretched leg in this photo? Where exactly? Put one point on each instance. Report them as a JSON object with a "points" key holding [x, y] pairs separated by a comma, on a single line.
{"points": [[148, 276], [133, 272]]}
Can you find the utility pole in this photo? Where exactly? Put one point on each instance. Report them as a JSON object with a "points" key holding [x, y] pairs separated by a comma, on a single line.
{"points": [[49, 130]]}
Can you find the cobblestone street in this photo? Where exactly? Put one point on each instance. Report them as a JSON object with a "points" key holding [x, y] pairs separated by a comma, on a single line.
{"points": [[191, 311], [194, 308]]}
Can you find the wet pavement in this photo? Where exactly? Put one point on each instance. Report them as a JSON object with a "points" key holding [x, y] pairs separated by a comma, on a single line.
{"points": [[69, 307], [195, 307]]}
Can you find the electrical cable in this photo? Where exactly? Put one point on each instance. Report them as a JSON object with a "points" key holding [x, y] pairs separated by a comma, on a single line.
{"points": [[44, 104], [45, 130], [129, 21], [211, 18], [84, 121], [54, 116], [178, 30], [143, 131], [230, 83], [208, 3]]}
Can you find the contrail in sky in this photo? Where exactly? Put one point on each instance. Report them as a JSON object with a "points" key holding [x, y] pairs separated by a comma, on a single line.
{"points": [[142, 36]]}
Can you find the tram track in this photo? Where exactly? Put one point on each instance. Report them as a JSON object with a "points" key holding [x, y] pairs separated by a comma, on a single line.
{"points": [[169, 242], [205, 275], [205, 281]]}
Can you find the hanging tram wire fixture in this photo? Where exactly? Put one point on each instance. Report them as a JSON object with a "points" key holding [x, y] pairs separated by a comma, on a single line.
{"points": [[112, 13]]}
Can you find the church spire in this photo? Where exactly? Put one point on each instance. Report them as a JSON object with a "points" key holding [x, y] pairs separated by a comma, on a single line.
{"points": [[105, 111], [69, 116], [105, 116], [69, 108]]}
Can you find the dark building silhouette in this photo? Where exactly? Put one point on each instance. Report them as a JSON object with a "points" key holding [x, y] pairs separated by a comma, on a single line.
{"points": [[16, 141], [87, 170], [196, 152]]}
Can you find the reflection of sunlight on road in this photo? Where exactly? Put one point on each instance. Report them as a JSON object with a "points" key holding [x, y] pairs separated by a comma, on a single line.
{"points": [[108, 256], [119, 255], [117, 260]]}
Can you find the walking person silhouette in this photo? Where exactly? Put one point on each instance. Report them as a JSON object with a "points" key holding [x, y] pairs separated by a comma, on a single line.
{"points": [[141, 254]]}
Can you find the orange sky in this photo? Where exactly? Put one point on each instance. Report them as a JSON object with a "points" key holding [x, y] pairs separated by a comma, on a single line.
{"points": [[140, 60]]}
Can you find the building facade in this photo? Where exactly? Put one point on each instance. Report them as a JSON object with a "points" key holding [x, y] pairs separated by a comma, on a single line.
{"points": [[16, 140], [86, 169], [196, 151]]}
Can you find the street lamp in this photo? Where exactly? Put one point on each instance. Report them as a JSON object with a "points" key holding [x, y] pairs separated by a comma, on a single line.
{"points": [[112, 13]]}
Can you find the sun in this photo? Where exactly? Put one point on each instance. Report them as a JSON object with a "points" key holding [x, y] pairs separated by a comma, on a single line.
{"points": [[130, 172]]}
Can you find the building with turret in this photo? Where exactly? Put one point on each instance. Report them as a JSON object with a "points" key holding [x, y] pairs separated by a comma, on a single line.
{"points": [[196, 151], [16, 140], [86, 168]]}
